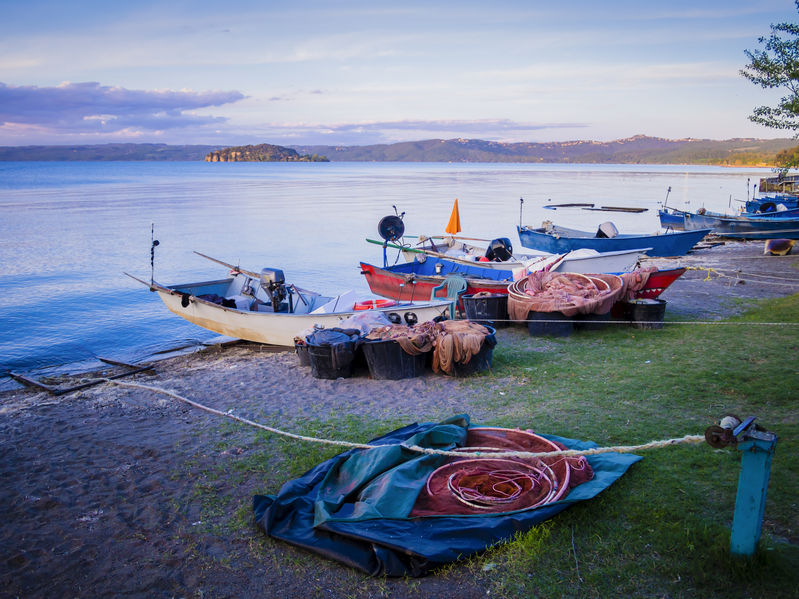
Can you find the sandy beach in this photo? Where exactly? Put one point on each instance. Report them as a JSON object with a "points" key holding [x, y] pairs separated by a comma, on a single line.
{"points": [[99, 486]]}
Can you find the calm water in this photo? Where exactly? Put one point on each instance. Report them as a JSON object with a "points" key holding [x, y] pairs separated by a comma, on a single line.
{"points": [[68, 231]]}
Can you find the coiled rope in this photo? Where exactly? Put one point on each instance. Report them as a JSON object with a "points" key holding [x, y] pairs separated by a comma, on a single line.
{"points": [[685, 440]]}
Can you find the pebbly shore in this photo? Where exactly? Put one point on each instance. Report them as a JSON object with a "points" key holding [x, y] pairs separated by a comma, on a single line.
{"points": [[99, 485]]}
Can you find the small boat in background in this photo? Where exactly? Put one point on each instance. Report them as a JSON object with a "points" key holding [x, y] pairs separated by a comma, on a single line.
{"points": [[671, 218], [557, 240], [262, 307], [618, 209], [783, 224], [571, 205]]}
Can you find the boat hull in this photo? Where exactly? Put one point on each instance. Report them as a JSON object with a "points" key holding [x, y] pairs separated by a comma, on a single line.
{"points": [[745, 228], [618, 261], [273, 328], [565, 240], [671, 220], [408, 286]]}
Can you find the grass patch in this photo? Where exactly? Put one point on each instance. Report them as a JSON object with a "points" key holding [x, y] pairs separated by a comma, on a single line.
{"points": [[663, 529]]}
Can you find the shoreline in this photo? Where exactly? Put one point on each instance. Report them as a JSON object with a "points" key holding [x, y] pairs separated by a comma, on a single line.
{"points": [[722, 262], [100, 485]]}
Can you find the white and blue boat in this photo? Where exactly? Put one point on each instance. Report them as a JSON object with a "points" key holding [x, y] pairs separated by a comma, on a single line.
{"points": [[557, 240]]}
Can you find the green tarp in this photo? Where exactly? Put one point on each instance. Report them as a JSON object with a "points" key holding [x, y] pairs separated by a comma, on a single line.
{"points": [[355, 507]]}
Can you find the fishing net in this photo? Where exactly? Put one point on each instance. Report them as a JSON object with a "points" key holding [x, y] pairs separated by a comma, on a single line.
{"points": [[635, 281], [564, 292], [414, 340], [452, 341], [486, 485]]}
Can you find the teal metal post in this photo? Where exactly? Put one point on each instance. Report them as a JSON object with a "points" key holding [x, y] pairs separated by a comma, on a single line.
{"points": [[758, 448]]}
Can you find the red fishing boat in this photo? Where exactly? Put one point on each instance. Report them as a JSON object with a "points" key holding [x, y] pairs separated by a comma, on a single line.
{"points": [[405, 282]]}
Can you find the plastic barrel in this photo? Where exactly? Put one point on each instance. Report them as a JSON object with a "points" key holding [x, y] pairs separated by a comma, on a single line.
{"points": [[301, 349], [591, 322], [646, 313], [549, 324], [481, 360], [387, 360], [492, 309], [331, 362]]}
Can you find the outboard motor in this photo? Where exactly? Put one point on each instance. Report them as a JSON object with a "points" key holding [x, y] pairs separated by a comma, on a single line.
{"points": [[607, 230], [500, 250], [274, 283]]}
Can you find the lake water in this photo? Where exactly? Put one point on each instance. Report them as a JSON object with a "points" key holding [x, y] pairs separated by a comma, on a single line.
{"points": [[68, 230]]}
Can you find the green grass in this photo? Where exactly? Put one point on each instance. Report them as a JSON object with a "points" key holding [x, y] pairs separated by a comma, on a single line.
{"points": [[663, 529]]}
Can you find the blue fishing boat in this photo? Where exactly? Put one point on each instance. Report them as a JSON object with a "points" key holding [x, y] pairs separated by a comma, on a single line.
{"points": [[557, 240], [772, 204], [742, 227], [682, 220], [671, 218]]}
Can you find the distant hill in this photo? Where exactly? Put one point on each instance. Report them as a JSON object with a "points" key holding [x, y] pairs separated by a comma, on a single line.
{"points": [[106, 152], [634, 150], [261, 153]]}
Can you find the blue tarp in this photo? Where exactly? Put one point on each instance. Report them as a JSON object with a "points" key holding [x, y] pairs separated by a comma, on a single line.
{"points": [[354, 507]]}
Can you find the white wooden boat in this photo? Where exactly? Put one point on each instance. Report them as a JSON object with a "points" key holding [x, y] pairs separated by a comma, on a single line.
{"points": [[261, 307], [579, 261]]}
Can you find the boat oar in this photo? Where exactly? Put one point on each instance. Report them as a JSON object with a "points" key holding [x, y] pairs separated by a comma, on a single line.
{"points": [[249, 273], [408, 249], [447, 237]]}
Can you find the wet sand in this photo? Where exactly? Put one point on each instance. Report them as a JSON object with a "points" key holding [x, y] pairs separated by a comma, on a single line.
{"points": [[99, 492]]}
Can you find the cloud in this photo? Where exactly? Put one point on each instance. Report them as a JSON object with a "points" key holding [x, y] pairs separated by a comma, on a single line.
{"points": [[91, 108], [374, 132], [487, 126]]}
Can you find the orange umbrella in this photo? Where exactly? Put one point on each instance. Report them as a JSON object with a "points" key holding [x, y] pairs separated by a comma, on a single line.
{"points": [[454, 224]]}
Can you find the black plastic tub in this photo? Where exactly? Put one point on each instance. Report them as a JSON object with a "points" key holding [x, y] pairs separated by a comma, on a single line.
{"points": [[549, 324], [301, 349], [591, 322], [331, 361], [487, 309], [645, 313], [482, 359], [387, 360]]}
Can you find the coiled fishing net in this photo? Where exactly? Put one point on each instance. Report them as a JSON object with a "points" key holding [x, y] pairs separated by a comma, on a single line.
{"points": [[484, 485]]}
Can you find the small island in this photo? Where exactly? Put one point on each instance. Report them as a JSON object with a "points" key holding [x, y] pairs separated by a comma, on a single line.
{"points": [[261, 153]]}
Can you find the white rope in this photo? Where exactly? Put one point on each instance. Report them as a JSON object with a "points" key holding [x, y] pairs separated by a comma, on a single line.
{"points": [[737, 275], [687, 439], [628, 322]]}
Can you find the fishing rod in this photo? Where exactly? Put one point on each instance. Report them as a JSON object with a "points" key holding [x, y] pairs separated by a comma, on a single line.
{"points": [[153, 242]]}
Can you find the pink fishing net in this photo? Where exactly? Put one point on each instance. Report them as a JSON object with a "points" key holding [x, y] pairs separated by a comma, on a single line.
{"points": [[452, 341], [484, 485], [564, 292]]}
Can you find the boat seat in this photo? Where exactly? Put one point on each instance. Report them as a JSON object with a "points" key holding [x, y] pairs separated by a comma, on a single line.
{"points": [[455, 286]]}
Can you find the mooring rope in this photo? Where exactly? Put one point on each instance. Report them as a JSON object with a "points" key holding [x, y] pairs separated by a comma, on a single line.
{"points": [[653, 322], [687, 439], [737, 275]]}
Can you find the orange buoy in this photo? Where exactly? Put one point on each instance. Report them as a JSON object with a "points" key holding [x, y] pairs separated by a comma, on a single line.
{"points": [[374, 304]]}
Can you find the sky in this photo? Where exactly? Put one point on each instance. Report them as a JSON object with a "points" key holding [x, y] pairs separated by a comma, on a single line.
{"points": [[352, 72]]}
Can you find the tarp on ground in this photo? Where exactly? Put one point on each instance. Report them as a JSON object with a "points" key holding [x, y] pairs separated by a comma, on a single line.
{"points": [[355, 507]]}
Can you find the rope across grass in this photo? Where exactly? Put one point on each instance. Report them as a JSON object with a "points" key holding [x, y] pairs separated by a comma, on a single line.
{"points": [[685, 440]]}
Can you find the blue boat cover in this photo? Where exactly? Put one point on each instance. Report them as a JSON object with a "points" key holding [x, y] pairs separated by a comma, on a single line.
{"points": [[355, 507]]}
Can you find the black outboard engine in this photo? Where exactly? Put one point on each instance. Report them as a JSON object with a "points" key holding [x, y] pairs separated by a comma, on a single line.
{"points": [[274, 283], [500, 250]]}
